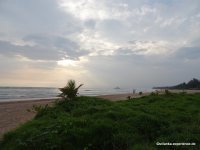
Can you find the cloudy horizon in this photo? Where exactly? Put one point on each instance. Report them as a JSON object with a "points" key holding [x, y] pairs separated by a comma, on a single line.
{"points": [[108, 43]]}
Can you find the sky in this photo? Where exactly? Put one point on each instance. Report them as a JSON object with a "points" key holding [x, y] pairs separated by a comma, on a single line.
{"points": [[106, 43]]}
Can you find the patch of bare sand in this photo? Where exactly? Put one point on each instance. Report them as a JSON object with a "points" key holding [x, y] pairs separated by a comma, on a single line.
{"points": [[12, 114], [118, 97]]}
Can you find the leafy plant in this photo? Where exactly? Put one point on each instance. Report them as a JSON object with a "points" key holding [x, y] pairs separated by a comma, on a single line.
{"points": [[167, 92], [91, 123], [70, 91], [36, 108], [128, 97]]}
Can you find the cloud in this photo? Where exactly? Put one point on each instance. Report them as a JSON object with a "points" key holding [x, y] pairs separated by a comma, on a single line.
{"points": [[36, 17], [189, 53], [144, 42], [63, 46], [44, 48], [31, 52], [86, 10]]}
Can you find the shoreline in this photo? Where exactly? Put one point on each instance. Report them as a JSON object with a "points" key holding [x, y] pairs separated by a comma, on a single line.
{"points": [[114, 96], [119, 96]]}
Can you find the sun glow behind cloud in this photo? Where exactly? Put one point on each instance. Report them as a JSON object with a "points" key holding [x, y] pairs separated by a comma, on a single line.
{"points": [[66, 62], [97, 41]]}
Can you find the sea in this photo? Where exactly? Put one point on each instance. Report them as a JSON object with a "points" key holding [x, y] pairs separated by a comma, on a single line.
{"points": [[31, 93]]}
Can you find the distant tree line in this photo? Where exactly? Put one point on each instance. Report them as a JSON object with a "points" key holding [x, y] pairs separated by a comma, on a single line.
{"points": [[193, 84]]}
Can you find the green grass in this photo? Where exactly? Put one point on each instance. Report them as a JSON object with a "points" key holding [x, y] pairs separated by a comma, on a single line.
{"points": [[89, 123]]}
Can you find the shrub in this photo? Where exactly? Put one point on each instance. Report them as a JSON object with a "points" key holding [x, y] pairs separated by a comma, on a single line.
{"points": [[167, 92], [70, 91], [92, 123]]}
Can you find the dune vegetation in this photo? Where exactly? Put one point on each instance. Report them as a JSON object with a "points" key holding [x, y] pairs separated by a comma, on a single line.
{"points": [[89, 123]]}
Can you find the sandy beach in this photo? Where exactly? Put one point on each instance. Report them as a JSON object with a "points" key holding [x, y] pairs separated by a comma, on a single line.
{"points": [[12, 113], [118, 97]]}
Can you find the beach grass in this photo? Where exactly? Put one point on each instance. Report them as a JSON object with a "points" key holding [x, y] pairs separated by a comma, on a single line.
{"points": [[93, 123]]}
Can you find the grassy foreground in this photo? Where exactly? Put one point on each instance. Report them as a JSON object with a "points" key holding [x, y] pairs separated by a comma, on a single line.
{"points": [[91, 123]]}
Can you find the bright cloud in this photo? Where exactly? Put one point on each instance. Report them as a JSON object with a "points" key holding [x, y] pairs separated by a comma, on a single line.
{"points": [[140, 43]]}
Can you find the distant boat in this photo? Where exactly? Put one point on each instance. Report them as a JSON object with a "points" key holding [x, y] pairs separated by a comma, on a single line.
{"points": [[117, 88], [88, 90]]}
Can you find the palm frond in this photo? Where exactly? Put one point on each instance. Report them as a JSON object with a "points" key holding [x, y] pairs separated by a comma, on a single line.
{"points": [[70, 91]]}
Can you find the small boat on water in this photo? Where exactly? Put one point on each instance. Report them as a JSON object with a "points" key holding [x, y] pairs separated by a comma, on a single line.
{"points": [[117, 88]]}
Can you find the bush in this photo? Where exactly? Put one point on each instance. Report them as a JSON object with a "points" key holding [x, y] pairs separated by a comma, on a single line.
{"points": [[140, 93], [70, 91], [92, 123], [167, 92]]}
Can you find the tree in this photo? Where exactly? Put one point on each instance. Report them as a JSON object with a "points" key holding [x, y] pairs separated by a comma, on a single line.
{"points": [[193, 84], [70, 91]]}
